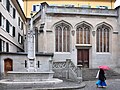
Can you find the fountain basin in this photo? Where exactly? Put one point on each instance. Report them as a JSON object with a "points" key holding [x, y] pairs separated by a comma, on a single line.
{"points": [[29, 76], [6, 84], [28, 80]]}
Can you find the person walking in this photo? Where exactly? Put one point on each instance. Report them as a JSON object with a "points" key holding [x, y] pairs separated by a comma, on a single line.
{"points": [[101, 79]]}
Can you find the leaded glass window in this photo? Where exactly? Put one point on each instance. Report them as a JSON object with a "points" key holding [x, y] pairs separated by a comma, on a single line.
{"points": [[102, 37], [83, 34], [62, 38]]}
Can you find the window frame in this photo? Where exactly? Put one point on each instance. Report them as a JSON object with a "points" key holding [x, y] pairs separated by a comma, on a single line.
{"points": [[103, 39], [3, 22], [20, 38], [82, 32], [36, 7], [59, 45]]}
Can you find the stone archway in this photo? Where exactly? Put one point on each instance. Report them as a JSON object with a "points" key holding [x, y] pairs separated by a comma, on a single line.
{"points": [[8, 65]]}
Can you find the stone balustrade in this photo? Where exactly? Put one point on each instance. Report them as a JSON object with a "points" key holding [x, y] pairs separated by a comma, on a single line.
{"points": [[66, 69]]}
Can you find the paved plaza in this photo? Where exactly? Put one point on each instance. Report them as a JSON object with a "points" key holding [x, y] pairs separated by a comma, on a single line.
{"points": [[113, 84]]}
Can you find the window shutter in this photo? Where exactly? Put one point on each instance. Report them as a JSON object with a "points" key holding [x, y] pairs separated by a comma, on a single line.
{"points": [[7, 26], [21, 39], [14, 12], [38, 64], [18, 37], [8, 5], [0, 19], [22, 25], [0, 45], [13, 31], [7, 47], [25, 63], [18, 21], [34, 7]]}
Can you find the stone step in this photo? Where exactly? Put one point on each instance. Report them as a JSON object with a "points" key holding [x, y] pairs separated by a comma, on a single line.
{"points": [[90, 74]]}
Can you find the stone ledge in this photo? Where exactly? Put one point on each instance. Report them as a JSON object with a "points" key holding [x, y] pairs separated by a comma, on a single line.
{"points": [[11, 72]]}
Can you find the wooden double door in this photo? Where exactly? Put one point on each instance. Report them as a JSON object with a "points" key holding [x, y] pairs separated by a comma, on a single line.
{"points": [[83, 57]]}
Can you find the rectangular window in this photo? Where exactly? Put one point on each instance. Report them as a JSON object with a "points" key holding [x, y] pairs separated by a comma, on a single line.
{"points": [[38, 64], [8, 5], [7, 26], [18, 21], [7, 47], [3, 22], [10, 30], [11, 10], [25, 63], [37, 8], [21, 25], [14, 13], [0, 19], [13, 31], [34, 7], [0, 45], [102, 7], [3, 46], [20, 38]]}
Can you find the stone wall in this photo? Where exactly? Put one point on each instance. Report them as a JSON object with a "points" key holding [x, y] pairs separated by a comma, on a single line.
{"points": [[18, 60]]}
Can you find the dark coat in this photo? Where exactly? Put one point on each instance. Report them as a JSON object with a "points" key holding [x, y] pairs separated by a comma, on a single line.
{"points": [[102, 75]]}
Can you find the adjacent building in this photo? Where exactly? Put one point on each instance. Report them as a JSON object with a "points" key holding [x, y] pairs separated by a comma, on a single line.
{"points": [[12, 31], [12, 26], [35, 5]]}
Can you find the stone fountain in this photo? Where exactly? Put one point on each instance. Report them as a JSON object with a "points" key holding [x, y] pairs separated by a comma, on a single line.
{"points": [[32, 74]]}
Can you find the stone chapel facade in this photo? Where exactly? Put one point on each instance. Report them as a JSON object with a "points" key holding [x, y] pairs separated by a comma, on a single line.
{"points": [[89, 37]]}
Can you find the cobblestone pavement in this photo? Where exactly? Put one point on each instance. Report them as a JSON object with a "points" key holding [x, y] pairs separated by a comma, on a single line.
{"points": [[112, 84]]}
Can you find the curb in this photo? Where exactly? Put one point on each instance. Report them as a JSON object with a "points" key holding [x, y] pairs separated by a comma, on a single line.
{"points": [[82, 85], [65, 85]]}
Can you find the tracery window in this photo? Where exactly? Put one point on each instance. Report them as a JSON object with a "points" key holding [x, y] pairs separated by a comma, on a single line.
{"points": [[102, 37], [83, 34], [62, 38]]}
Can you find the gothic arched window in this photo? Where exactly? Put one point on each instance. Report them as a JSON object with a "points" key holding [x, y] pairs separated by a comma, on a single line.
{"points": [[83, 34], [102, 37], [62, 38]]}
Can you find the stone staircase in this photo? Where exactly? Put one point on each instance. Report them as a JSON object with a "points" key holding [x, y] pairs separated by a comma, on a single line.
{"points": [[90, 74]]}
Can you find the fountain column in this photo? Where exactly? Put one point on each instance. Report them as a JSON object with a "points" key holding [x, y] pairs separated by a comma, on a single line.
{"points": [[31, 48]]}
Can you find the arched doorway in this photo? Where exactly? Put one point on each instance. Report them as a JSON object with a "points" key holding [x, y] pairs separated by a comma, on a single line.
{"points": [[8, 65]]}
